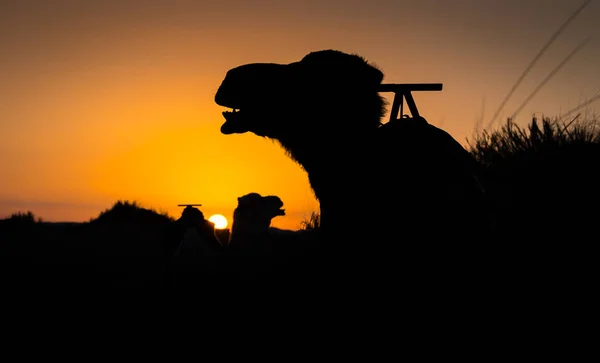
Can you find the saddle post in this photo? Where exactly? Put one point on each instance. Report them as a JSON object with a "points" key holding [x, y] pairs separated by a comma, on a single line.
{"points": [[403, 91]]}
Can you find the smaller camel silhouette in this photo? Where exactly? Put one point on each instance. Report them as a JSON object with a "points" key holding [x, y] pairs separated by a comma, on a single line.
{"points": [[260, 252], [250, 247], [197, 258], [252, 217]]}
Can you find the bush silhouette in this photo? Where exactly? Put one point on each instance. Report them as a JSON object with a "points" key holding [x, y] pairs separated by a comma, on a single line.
{"points": [[542, 180], [125, 212]]}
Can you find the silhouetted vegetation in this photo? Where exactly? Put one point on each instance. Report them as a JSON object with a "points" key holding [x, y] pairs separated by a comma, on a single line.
{"points": [[542, 178], [24, 218], [131, 212], [513, 142], [311, 222], [542, 181]]}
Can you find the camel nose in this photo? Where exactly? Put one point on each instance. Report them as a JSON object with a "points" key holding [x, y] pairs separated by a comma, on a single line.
{"points": [[248, 81]]}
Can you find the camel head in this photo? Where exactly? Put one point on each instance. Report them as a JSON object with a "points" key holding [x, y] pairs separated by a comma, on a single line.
{"points": [[193, 217], [302, 99], [259, 210]]}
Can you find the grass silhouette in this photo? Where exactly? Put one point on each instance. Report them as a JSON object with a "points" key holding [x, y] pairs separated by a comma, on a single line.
{"points": [[542, 178], [24, 217], [312, 222]]}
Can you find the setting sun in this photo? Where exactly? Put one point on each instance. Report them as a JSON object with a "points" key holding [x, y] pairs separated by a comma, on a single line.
{"points": [[219, 221]]}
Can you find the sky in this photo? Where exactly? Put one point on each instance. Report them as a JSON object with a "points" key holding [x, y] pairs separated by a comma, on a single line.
{"points": [[114, 100]]}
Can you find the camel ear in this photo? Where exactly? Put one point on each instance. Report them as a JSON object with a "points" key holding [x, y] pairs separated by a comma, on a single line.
{"points": [[375, 77]]}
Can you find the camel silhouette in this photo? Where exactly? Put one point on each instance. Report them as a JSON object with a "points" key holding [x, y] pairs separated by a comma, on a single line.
{"points": [[416, 183], [196, 260], [250, 248], [258, 252], [252, 217]]}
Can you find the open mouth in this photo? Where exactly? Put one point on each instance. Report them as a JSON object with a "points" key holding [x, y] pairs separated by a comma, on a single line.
{"points": [[275, 205], [279, 210], [233, 122], [230, 114]]}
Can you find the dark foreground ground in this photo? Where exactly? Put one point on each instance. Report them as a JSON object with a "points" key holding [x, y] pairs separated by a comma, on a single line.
{"points": [[81, 255]]}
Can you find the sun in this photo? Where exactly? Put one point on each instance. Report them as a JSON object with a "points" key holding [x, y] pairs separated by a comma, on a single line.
{"points": [[219, 221]]}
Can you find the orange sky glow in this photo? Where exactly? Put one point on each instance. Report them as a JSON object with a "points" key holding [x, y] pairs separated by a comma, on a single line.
{"points": [[109, 100]]}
